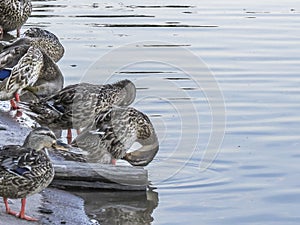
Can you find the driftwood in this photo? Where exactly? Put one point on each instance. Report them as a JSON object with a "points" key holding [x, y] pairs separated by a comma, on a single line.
{"points": [[70, 174]]}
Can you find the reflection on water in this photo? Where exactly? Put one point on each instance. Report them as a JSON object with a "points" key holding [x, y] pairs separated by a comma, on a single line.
{"points": [[112, 207], [253, 50]]}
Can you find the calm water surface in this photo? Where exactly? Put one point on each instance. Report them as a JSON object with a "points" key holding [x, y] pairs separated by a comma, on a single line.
{"points": [[252, 50]]}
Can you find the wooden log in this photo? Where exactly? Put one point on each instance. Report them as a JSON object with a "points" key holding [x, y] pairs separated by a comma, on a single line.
{"points": [[69, 174]]}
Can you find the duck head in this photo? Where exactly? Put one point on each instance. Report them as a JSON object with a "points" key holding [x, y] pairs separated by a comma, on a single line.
{"points": [[142, 156], [41, 138]]}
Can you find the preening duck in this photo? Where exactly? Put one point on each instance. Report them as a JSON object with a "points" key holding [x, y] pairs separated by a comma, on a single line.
{"points": [[50, 79], [23, 75], [76, 106], [114, 132]]}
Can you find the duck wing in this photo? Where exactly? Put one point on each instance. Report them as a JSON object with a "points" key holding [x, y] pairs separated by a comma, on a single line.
{"points": [[11, 55], [19, 161], [26, 72]]}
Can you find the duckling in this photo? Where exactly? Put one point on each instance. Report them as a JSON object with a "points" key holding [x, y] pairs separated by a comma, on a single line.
{"points": [[27, 169], [114, 132], [13, 14]]}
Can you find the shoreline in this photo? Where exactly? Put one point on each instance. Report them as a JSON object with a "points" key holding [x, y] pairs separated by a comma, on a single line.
{"points": [[51, 206]]}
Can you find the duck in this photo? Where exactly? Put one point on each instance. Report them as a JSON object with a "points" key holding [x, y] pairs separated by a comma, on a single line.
{"points": [[13, 14], [76, 105], [47, 41], [23, 75], [26, 169], [113, 133], [50, 79]]}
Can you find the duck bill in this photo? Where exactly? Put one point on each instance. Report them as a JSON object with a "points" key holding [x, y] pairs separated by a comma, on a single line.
{"points": [[59, 145]]}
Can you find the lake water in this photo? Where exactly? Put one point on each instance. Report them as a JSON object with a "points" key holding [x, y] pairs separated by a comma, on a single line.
{"points": [[198, 66]]}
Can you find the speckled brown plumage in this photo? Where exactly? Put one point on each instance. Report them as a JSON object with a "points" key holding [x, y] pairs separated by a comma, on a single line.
{"points": [[45, 40], [23, 171], [50, 79], [114, 132], [24, 74], [76, 106], [14, 13], [26, 169]]}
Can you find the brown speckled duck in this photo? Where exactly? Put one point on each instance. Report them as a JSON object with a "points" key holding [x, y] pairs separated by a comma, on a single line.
{"points": [[26, 170], [76, 106], [114, 132], [24, 75], [50, 78], [41, 38], [13, 14]]}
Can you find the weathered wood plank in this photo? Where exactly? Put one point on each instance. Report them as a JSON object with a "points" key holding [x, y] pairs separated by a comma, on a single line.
{"points": [[70, 174]]}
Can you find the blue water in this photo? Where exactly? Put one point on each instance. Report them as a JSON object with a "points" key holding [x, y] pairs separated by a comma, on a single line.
{"points": [[245, 75]]}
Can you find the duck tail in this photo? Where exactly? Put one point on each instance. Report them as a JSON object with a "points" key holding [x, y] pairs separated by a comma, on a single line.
{"points": [[38, 111], [28, 109]]}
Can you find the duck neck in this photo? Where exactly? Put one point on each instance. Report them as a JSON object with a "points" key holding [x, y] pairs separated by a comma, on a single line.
{"points": [[145, 154]]}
